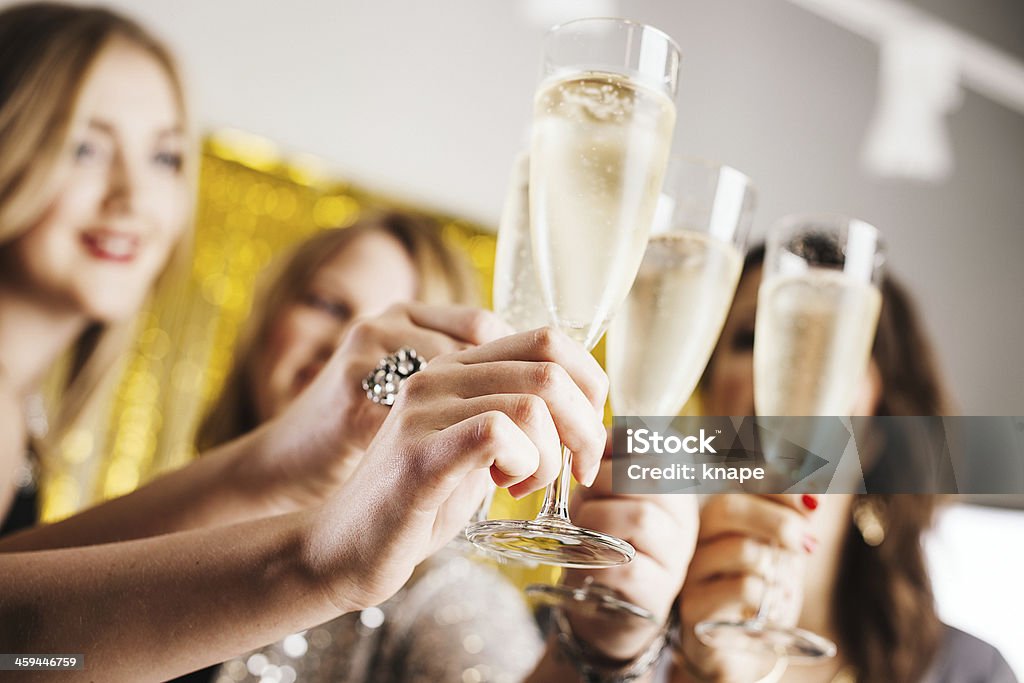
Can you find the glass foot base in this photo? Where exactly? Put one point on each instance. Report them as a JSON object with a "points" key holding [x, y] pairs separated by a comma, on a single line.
{"points": [[550, 542], [751, 634], [589, 600]]}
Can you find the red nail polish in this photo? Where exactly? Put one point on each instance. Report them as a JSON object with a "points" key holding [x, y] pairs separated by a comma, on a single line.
{"points": [[810, 543], [809, 501]]}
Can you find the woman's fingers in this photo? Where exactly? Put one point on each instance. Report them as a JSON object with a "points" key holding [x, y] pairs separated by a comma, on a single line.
{"points": [[682, 509], [543, 363], [577, 427], [528, 414], [487, 407], [465, 323], [804, 503], [728, 556], [728, 598], [547, 345], [491, 439], [647, 526], [754, 516], [486, 439], [433, 331], [378, 337]]}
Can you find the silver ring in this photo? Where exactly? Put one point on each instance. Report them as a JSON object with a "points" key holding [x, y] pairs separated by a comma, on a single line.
{"points": [[382, 384]]}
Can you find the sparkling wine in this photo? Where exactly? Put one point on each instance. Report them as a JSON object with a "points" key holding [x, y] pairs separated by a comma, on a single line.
{"points": [[599, 152], [517, 296], [662, 337], [813, 339]]}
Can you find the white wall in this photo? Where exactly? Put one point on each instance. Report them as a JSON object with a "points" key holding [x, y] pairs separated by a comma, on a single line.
{"points": [[975, 557]]}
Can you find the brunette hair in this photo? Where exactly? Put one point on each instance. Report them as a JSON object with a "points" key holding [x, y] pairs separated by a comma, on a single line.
{"points": [[884, 608], [47, 51], [444, 277]]}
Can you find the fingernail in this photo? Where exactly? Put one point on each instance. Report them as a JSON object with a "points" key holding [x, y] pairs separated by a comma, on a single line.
{"points": [[590, 477], [810, 502], [810, 543]]}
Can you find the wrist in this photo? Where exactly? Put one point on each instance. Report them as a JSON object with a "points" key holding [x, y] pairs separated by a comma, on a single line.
{"points": [[252, 470], [328, 559], [297, 469]]}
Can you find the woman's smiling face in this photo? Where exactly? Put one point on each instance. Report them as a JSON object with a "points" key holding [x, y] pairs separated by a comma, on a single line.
{"points": [[123, 199]]}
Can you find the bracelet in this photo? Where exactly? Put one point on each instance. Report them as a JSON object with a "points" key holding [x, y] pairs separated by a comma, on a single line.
{"points": [[584, 659]]}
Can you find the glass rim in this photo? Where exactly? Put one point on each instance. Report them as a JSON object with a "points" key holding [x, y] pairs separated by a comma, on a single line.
{"points": [[711, 165], [829, 218], [701, 162], [620, 20]]}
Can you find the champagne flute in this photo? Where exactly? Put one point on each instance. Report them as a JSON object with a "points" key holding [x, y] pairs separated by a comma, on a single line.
{"points": [[602, 130], [817, 311], [660, 343], [516, 291], [517, 296], [661, 340]]}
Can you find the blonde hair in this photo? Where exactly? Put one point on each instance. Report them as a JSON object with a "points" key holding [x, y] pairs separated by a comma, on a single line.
{"points": [[47, 51], [444, 277]]}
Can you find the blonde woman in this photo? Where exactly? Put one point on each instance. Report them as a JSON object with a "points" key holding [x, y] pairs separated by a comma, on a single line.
{"points": [[864, 582], [94, 198]]}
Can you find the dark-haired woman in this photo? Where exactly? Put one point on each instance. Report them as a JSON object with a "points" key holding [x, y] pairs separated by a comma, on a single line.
{"points": [[865, 584]]}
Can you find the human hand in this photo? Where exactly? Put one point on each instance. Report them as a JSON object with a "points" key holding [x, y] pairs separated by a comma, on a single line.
{"points": [[313, 447], [663, 529], [739, 534], [502, 408]]}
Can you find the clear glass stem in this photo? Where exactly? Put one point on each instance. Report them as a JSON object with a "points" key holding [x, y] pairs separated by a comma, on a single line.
{"points": [[556, 495], [485, 505], [768, 596]]}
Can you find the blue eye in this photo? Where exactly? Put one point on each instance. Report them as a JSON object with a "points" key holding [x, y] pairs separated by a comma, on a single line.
{"points": [[171, 160]]}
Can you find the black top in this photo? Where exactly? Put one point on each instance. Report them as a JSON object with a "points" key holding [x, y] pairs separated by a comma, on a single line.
{"points": [[23, 513]]}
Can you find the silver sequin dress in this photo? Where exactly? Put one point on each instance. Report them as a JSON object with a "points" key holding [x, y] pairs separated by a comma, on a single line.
{"points": [[457, 620]]}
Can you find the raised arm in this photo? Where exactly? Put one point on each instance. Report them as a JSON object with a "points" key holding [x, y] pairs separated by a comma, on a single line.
{"points": [[292, 462], [155, 608]]}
